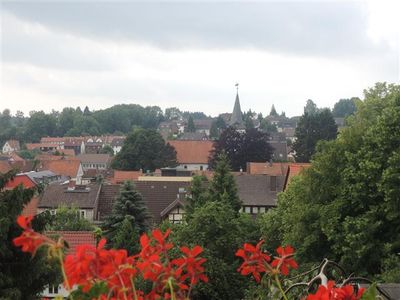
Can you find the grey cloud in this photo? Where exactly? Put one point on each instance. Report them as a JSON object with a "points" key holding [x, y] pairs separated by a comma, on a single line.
{"points": [[47, 49], [301, 28]]}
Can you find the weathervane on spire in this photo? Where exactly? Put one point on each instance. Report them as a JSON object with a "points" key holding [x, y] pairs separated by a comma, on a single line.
{"points": [[237, 87]]}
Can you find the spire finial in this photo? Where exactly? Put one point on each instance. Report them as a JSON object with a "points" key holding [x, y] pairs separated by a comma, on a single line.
{"points": [[237, 87]]}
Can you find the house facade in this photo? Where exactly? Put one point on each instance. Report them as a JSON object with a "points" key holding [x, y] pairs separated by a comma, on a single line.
{"points": [[94, 161], [11, 146]]}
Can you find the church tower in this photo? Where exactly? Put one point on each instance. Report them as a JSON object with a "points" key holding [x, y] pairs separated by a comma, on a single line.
{"points": [[237, 116]]}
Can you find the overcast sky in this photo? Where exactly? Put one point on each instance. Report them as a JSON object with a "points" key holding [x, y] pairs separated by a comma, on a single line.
{"points": [[189, 54]]}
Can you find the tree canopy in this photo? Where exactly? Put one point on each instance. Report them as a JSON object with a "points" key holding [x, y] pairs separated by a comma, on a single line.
{"points": [[68, 219], [21, 276], [129, 216], [190, 126], [345, 107], [145, 149], [242, 147], [213, 221], [312, 128], [347, 205]]}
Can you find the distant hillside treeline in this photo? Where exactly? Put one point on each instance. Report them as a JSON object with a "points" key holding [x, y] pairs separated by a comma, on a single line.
{"points": [[118, 119]]}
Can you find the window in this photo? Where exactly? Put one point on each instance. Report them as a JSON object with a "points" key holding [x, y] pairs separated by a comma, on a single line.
{"points": [[82, 214], [176, 215], [53, 212], [262, 210], [247, 209], [255, 210], [273, 183], [201, 168]]}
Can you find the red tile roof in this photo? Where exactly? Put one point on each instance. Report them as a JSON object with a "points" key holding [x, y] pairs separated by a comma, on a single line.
{"points": [[67, 167], [5, 167], [192, 152], [15, 157], [262, 168], [293, 170], [121, 176], [74, 238]]}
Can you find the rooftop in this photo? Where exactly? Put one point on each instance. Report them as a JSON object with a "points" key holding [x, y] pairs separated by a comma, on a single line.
{"points": [[192, 152]]}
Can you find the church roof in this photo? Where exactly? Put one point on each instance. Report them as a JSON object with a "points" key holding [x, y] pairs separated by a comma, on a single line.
{"points": [[237, 117]]}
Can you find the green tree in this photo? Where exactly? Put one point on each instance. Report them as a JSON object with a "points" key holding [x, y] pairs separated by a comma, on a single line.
{"points": [[197, 194], [242, 147], [311, 129], [310, 108], [127, 236], [69, 219], [40, 124], [220, 231], [267, 126], [345, 107], [353, 183], [191, 127], [107, 150], [248, 120], [223, 186], [173, 113], [129, 202], [145, 149], [21, 276]]}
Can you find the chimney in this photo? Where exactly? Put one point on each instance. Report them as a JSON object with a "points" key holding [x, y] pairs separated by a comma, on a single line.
{"points": [[71, 185]]}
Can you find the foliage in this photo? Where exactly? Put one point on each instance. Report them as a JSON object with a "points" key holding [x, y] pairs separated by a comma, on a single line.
{"points": [[219, 230], [353, 183], [107, 150], [126, 236], [190, 126], [197, 194], [310, 108], [242, 147], [345, 107], [68, 219], [312, 128], [144, 149], [112, 274], [248, 119], [217, 127], [129, 207], [21, 277], [28, 154], [40, 124], [267, 126], [223, 187]]}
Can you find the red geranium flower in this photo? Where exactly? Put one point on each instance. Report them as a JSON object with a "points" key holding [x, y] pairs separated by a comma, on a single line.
{"points": [[336, 293], [284, 260], [192, 264], [255, 260], [29, 240]]}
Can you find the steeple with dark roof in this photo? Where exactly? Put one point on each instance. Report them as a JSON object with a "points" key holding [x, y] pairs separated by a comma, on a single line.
{"points": [[237, 117]]}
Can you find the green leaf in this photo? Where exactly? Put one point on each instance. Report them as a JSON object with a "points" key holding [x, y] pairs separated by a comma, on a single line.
{"points": [[370, 293]]}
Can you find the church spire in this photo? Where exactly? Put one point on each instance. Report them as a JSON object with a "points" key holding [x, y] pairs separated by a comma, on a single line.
{"points": [[237, 117]]}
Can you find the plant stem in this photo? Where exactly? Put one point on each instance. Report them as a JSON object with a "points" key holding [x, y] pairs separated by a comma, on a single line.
{"points": [[60, 258], [171, 289], [278, 283]]}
